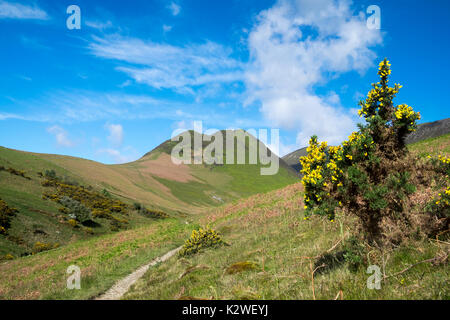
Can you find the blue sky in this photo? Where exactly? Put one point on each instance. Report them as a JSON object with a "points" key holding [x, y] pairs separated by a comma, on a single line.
{"points": [[138, 70]]}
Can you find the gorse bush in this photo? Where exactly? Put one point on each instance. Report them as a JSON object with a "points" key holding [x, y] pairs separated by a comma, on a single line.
{"points": [[372, 175], [76, 210], [201, 239], [83, 203], [6, 213], [15, 172], [41, 246]]}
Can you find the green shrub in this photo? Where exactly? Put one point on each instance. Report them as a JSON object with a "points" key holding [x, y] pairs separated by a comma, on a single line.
{"points": [[6, 213], [371, 175], [50, 174], [155, 214], [201, 239], [15, 172], [106, 193], [137, 206], [9, 256], [73, 222], [76, 209], [41, 246]]}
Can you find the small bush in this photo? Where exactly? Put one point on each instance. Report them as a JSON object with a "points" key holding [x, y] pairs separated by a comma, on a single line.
{"points": [[15, 172], [73, 222], [106, 193], [200, 239], [50, 174], [137, 206], [9, 256], [6, 213], [41, 246], [76, 209], [354, 253], [155, 214], [88, 230]]}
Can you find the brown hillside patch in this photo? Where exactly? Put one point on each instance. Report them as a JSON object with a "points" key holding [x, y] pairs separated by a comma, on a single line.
{"points": [[163, 167]]}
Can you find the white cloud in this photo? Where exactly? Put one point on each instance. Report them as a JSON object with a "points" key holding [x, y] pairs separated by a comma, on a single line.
{"points": [[6, 116], [115, 134], [174, 8], [99, 25], [61, 136], [118, 156], [166, 66], [167, 28], [12, 10], [285, 65]]}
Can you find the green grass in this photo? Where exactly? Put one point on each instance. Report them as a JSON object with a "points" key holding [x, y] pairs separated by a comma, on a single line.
{"points": [[436, 145], [102, 260], [269, 230]]}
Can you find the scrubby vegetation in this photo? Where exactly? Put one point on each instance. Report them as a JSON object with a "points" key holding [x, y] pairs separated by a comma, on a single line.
{"points": [[15, 172], [6, 213], [374, 177], [41, 246], [201, 239], [150, 213], [75, 209], [82, 204]]}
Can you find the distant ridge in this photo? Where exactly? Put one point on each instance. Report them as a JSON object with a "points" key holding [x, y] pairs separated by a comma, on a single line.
{"points": [[429, 130], [424, 131]]}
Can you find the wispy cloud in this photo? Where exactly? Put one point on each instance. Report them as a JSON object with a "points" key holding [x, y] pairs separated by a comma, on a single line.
{"points": [[286, 65], [67, 107], [13, 10], [99, 25], [167, 66], [115, 134], [61, 136], [120, 156], [6, 116], [166, 28], [174, 8]]}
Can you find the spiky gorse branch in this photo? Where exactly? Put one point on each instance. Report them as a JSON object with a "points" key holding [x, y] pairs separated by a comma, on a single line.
{"points": [[359, 175]]}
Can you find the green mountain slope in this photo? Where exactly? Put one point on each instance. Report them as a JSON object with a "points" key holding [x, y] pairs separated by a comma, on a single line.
{"points": [[153, 180]]}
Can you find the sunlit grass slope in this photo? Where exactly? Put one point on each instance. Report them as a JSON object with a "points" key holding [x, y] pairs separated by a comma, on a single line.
{"points": [[267, 233]]}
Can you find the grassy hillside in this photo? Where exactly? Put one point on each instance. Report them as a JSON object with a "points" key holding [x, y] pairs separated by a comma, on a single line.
{"points": [[102, 260], [152, 180], [272, 251], [271, 248]]}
